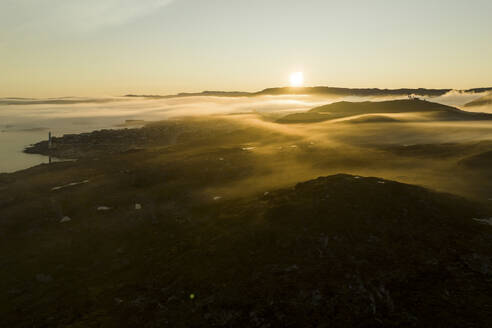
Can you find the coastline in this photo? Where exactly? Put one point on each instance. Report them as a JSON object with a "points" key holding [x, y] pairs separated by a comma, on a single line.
{"points": [[156, 214]]}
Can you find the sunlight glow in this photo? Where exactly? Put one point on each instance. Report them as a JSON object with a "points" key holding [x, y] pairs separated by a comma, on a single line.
{"points": [[296, 79]]}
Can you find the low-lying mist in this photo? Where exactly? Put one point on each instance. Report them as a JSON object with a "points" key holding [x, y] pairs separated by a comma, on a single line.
{"points": [[428, 154], [273, 155], [69, 115]]}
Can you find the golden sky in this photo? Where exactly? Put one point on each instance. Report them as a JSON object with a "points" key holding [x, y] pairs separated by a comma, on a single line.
{"points": [[113, 47]]}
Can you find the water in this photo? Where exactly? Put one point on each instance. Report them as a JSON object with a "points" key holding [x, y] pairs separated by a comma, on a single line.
{"points": [[23, 124], [11, 145]]}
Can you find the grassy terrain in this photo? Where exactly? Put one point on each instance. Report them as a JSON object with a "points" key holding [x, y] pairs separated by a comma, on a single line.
{"points": [[425, 109], [226, 236]]}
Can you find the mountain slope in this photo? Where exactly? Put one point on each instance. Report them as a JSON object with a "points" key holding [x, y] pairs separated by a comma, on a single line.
{"points": [[319, 91], [361, 92], [346, 109], [482, 101], [337, 251]]}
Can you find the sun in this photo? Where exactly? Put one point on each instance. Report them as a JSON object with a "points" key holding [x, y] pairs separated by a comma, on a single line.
{"points": [[296, 79]]}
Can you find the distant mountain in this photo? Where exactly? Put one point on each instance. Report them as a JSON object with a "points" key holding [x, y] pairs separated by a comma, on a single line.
{"points": [[479, 90], [320, 90], [197, 94], [482, 101], [345, 109], [354, 92], [55, 101]]}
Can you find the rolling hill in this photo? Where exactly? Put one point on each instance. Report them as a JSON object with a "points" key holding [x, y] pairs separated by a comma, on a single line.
{"points": [[318, 91], [341, 250], [345, 109], [156, 225], [482, 101]]}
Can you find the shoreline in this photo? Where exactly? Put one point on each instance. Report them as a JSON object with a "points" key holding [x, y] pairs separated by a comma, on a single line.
{"points": [[37, 147], [235, 214]]}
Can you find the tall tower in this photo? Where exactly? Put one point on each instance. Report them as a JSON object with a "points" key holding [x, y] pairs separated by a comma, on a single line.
{"points": [[49, 140]]}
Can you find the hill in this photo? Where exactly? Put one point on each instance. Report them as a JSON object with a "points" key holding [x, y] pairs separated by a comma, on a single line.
{"points": [[361, 92], [319, 91], [346, 109], [482, 160], [482, 101], [371, 118], [340, 250], [193, 223]]}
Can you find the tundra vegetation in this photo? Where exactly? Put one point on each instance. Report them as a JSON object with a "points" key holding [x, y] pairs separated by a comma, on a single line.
{"points": [[376, 215]]}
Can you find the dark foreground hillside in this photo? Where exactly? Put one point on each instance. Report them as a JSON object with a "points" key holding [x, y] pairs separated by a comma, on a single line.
{"points": [[338, 251], [203, 223]]}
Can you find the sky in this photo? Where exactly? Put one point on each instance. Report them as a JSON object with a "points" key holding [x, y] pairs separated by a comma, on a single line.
{"points": [[53, 48]]}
